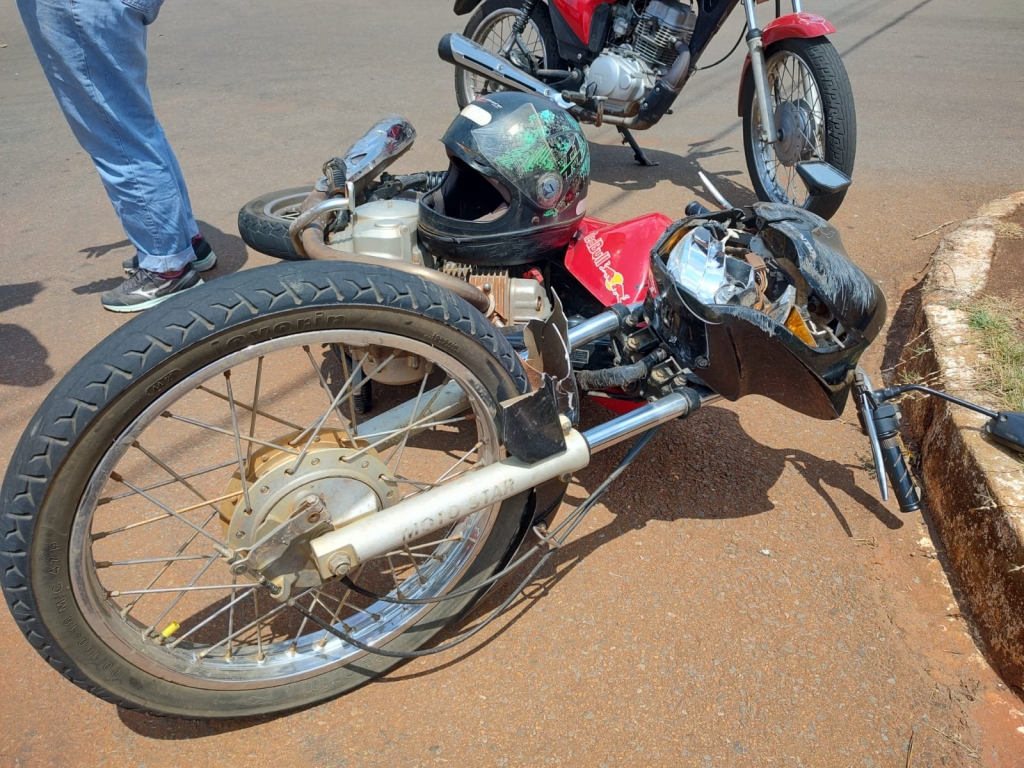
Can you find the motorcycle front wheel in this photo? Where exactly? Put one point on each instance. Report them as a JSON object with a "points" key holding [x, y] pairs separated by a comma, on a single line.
{"points": [[193, 431], [813, 106], [491, 27], [263, 222]]}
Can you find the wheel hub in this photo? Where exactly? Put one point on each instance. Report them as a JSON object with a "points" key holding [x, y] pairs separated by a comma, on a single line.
{"points": [[348, 477], [796, 131]]}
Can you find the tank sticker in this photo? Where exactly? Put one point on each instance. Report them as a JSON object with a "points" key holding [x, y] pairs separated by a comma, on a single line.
{"points": [[613, 280]]}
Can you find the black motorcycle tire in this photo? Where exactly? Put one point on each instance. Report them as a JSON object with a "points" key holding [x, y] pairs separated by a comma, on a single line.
{"points": [[264, 229], [475, 29], [107, 390], [840, 130]]}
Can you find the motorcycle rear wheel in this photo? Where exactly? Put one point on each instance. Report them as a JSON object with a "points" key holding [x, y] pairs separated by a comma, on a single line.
{"points": [[490, 26], [813, 105], [263, 222], [126, 488]]}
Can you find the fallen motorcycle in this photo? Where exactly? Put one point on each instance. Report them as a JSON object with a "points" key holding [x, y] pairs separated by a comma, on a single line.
{"points": [[625, 62], [199, 522]]}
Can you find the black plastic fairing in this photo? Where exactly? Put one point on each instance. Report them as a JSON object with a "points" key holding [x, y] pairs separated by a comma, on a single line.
{"points": [[810, 248], [462, 7], [738, 351]]}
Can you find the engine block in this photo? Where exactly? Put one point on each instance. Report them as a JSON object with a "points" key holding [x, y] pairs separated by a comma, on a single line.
{"points": [[662, 26]]}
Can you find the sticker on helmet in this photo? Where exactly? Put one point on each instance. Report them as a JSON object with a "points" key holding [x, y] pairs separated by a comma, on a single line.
{"points": [[478, 115], [543, 153]]}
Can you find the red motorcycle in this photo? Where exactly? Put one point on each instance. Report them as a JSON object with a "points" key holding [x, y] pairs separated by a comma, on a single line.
{"points": [[207, 517], [624, 62]]}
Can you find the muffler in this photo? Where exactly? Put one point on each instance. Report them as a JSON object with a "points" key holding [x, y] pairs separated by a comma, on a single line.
{"points": [[339, 551], [463, 52]]}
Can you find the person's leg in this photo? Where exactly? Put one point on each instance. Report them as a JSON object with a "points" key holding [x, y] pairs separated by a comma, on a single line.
{"points": [[94, 55]]}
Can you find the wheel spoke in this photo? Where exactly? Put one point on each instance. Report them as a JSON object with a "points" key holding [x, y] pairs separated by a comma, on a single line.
{"points": [[167, 563], [242, 463], [154, 486], [229, 433], [333, 408], [251, 408], [412, 417], [181, 593], [254, 411], [204, 470]]}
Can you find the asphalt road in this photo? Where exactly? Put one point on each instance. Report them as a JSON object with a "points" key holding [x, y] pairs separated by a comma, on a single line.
{"points": [[664, 635]]}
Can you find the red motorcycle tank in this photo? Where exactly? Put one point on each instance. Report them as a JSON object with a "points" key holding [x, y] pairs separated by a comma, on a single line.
{"points": [[578, 14], [612, 261]]}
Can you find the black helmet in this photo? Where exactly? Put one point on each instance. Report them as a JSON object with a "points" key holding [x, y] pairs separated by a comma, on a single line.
{"points": [[516, 186]]}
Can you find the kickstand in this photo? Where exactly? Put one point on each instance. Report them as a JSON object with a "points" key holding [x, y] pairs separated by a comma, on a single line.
{"points": [[638, 153]]}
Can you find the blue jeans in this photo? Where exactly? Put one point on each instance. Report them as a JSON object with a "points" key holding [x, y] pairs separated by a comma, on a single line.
{"points": [[94, 55]]}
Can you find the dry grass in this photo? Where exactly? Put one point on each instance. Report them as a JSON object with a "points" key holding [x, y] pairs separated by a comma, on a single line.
{"points": [[998, 328]]}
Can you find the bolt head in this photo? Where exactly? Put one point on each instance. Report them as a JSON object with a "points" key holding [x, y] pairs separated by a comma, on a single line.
{"points": [[339, 564], [264, 489], [238, 569]]}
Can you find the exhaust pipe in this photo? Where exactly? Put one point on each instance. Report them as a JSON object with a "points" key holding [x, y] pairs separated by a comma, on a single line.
{"points": [[339, 551], [463, 52], [309, 241]]}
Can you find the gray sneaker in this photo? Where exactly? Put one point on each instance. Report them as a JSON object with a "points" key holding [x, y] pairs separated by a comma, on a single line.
{"points": [[205, 258], [146, 289]]}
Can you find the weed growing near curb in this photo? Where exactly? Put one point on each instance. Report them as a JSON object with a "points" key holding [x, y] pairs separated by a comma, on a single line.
{"points": [[998, 328]]}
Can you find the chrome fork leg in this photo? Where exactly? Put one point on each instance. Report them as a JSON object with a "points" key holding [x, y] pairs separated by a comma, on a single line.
{"points": [[759, 71]]}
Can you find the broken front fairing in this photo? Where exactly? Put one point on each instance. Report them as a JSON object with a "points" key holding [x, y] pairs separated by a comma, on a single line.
{"points": [[765, 301]]}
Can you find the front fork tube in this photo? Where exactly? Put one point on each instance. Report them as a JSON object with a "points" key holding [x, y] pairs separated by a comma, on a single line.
{"points": [[759, 71]]}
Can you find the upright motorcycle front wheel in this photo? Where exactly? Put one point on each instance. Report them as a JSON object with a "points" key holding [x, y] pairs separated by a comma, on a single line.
{"points": [[491, 26], [195, 430], [814, 112]]}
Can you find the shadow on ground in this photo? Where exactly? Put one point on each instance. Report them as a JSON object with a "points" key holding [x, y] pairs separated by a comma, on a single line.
{"points": [[22, 356], [230, 250], [723, 443], [614, 165]]}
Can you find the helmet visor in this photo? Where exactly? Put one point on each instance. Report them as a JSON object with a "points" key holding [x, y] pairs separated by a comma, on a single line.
{"points": [[544, 154]]}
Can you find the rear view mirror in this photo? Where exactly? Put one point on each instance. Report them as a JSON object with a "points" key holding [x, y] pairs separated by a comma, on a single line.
{"points": [[821, 178], [1007, 428]]}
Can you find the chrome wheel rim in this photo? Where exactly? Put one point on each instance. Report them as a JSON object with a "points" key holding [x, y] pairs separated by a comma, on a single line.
{"points": [[492, 34], [800, 118], [286, 207], [144, 559]]}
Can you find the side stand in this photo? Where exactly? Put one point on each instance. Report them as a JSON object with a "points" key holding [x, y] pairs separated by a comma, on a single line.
{"points": [[638, 153]]}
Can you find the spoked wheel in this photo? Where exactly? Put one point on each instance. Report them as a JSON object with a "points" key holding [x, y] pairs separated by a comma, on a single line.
{"points": [[814, 113], [263, 222], [205, 424], [491, 27]]}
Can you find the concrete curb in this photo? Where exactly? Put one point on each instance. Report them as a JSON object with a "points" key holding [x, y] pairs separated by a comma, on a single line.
{"points": [[974, 489]]}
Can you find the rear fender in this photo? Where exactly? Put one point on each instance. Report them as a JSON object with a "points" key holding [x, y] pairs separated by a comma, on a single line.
{"points": [[462, 7], [792, 25]]}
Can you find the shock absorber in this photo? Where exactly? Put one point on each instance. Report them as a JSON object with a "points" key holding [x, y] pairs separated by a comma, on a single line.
{"points": [[519, 25]]}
